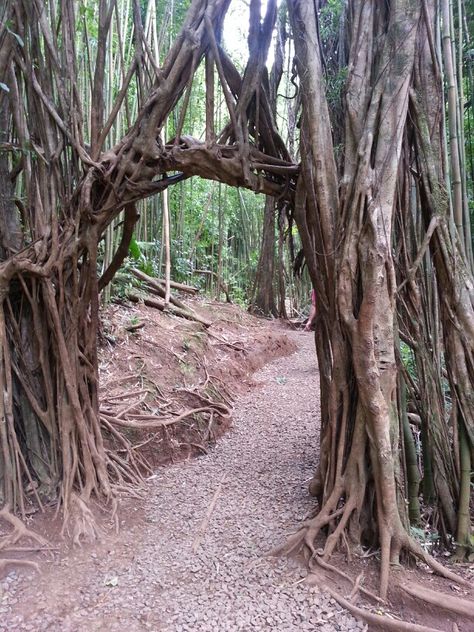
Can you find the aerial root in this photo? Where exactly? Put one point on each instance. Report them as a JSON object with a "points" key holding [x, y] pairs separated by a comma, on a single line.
{"points": [[442, 600]]}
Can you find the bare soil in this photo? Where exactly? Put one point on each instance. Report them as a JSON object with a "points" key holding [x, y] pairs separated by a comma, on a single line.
{"points": [[192, 550]]}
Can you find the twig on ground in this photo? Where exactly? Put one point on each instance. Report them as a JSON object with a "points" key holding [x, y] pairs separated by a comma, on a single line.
{"points": [[356, 588], [207, 517], [238, 346]]}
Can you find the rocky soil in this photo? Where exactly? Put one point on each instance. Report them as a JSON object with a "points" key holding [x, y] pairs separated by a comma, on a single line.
{"points": [[197, 561]]}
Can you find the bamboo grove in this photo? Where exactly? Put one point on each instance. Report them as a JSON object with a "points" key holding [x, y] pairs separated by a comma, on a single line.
{"points": [[361, 165]]}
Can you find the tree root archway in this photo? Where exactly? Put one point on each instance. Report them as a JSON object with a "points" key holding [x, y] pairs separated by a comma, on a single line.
{"points": [[374, 225]]}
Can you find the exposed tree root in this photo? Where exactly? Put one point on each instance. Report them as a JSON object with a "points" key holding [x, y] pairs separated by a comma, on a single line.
{"points": [[146, 422], [417, 550], [385, 623], [19, 531], [136, 410], [355, 585], [441, 600], [221, 409], [306, 536], [84, 525], [16, 562], [238, 346]]}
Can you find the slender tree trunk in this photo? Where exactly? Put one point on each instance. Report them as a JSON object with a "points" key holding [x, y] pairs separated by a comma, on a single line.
{"points": [[263, 301]]}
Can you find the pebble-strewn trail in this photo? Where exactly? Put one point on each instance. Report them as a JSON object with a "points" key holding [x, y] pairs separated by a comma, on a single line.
{"points": [[185, 574]]}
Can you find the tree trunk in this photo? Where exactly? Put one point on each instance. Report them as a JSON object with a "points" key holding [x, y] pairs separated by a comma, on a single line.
{"points": [[347, 238]]}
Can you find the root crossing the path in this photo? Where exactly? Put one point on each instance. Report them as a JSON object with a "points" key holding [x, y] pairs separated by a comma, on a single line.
{"points": [[199, 563]]}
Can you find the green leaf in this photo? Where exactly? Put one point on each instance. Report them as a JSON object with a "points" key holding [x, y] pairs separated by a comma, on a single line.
{"points": [[135, 250], [4, 86]]}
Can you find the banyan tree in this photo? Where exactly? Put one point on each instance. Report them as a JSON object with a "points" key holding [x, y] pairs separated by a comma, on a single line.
{"points": [[373, 188]]}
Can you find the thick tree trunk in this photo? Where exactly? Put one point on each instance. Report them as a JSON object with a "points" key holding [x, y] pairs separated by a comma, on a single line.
{"points": [[347, 239]]}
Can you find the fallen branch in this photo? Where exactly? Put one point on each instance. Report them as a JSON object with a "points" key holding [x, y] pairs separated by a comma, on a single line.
{"points": [[207, 517], [220, 283], [181, 287], [133, 328], [159, 286], [172, 309]]}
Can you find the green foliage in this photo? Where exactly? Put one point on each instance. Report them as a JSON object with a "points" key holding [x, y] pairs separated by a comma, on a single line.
{"points": [[134, 320], [134, 249], [426, 537], [335, 86], [329, 17], [408, 359]]}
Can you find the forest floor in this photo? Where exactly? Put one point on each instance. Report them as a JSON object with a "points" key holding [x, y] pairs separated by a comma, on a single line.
{"points": [[191, 553]]}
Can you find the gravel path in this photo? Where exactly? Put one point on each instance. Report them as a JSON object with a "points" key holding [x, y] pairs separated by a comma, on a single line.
{"points": [[186, 573]]}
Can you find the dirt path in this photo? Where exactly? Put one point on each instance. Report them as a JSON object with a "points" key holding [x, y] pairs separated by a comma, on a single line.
{"points": [[198, 562]]}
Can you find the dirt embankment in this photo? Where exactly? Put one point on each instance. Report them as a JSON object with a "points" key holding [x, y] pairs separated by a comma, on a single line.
{"points": [[167, 387], [170, 383]]}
